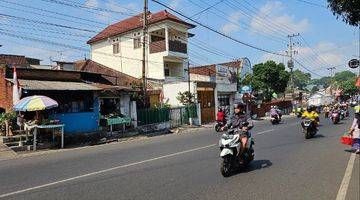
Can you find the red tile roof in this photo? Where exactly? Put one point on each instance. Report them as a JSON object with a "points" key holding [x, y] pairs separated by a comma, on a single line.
{"points": [[209, 70], [135, 22], [13, 60], [116, 77]]}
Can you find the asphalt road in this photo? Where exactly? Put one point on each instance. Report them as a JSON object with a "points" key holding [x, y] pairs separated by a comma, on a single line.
{"points": [[186, 166]]}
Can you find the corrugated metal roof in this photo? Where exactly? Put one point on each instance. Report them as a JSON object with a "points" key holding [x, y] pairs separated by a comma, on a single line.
{"points": [[55, 85]]}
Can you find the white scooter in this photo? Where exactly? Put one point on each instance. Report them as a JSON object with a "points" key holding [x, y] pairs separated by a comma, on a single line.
{"points": [[230, 146]]}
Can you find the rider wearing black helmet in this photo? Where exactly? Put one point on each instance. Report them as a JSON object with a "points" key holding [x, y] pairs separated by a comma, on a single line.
{"points": [[239, 120]]}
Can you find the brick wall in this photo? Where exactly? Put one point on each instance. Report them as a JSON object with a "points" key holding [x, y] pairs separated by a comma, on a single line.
{"points": [[5, 91]]}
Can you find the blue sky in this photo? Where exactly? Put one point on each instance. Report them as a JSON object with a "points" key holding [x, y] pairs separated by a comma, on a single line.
{"points": [[325, 41]]}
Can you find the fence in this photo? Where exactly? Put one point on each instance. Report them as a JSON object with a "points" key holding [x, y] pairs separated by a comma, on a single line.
{"points": [[181, 115], [177, 116]]}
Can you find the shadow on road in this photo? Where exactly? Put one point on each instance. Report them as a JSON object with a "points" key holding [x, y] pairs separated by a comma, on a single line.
{"points": [[318, 136], [349, 150], [254, 165]]}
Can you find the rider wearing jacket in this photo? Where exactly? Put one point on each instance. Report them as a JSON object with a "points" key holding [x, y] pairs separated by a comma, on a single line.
{"points": [[311, 114], [239, 120]]}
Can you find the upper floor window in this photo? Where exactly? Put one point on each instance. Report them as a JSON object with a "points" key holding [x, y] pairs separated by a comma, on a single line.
{"points": [[116, 48], [166, 70], [137, 42]]}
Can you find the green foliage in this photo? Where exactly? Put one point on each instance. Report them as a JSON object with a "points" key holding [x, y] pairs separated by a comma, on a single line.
{"points": [[348, 10], [186, 97], [343, 76], [314, 90], [348, 86], [301, 79], [324, 81], [10, 116], [270, 77]]}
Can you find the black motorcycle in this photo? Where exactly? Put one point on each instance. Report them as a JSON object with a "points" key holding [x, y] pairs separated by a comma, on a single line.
{"points": [[220, 124], [309, 128]]}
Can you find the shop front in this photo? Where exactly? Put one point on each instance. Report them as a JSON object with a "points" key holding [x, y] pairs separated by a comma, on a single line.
{"points": [[226, 88]]}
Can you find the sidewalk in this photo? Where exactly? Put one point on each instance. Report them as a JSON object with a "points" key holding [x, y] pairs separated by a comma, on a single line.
{"points": [[6, 152]]}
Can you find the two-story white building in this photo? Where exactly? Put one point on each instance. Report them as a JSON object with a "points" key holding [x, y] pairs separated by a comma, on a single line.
{"points": [[119, 46]]}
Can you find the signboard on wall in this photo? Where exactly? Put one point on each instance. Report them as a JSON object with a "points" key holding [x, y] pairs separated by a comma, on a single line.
{"points": [[225, 74]]}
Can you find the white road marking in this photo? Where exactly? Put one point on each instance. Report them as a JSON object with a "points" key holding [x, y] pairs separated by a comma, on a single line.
{"points": [[346, 180], [103, 171], [262, 132]]}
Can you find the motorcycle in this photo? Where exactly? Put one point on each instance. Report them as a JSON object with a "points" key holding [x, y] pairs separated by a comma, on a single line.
{"points": [[310, 128], [230, 146], [274, 119], [342, 114], [220, 124], [335, 117]]}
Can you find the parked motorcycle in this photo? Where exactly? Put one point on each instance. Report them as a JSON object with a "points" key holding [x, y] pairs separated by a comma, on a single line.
{"points": [[230, 146], [310, 128], [335, 117], [274, 119]]}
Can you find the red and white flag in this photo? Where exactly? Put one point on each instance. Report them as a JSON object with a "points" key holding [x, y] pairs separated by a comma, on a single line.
{"points": [[16, 90]]}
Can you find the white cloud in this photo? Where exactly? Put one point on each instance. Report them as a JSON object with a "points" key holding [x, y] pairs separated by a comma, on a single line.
{"points": [[273, 12], [130, 7], [175, 4], [318, 57], [232, 26], [91, 3]]}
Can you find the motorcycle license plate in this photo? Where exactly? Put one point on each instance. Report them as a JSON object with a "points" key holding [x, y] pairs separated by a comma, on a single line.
{"points": [[307, 123]]}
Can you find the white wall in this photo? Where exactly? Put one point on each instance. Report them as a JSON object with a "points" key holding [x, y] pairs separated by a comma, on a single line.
{"points": [[171, 91], [129, 60], [124, 104]]}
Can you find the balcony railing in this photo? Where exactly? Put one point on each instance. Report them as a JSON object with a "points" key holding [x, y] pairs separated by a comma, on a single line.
{"points": [[158, 46], [175, 46]]}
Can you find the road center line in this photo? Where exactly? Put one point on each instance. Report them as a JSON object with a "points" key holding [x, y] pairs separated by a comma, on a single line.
{"points": [[103, 171], [346, 180], [262, 132]]}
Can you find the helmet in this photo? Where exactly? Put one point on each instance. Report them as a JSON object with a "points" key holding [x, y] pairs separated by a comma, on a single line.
{"points": [[309, 108], [239, 105], [357, 109]]}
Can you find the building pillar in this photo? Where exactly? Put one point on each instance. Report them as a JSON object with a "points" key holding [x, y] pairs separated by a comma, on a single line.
{"points": [[167, 38]]}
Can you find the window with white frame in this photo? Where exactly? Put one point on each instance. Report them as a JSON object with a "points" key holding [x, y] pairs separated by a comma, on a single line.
{"points": [[137, 42], [116, 48]]}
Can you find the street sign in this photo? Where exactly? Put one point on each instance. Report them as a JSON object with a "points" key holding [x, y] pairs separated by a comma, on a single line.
{"points": [[246, 89], [354, 63]]}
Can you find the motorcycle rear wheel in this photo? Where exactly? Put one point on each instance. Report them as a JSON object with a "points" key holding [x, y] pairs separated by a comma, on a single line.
{"points": [[217, 128]]}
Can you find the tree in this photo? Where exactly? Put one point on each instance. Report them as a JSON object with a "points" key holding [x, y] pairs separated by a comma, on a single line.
{"points": [[343, 76], [314, 90], [348, 86], [348, 10], [301, 79], [186, 97], [270, 77], [324, 81]]}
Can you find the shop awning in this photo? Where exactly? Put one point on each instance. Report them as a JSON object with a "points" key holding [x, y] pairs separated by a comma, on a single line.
{"points": [[55, 85]]}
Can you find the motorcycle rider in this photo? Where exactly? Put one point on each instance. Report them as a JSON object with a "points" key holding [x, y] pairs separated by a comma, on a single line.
{"points": [[237, 121], [311, 114], [274, 113]]}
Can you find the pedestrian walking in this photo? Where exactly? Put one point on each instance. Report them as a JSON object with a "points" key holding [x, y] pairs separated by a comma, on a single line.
{"points": [[355, 131]]}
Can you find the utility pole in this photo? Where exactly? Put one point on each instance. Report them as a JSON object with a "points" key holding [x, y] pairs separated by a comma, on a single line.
{"points": [[188, 71], [290, 63], [144, 50], [331, 77]]}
